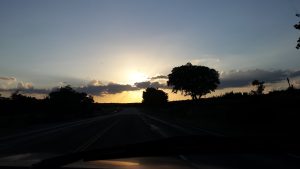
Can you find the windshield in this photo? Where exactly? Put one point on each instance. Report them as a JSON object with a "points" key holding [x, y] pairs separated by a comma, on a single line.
{"points": [[80, 76]]}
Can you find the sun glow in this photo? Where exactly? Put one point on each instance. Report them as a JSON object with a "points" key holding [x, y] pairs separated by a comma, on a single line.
{"points": [[137, 77]]}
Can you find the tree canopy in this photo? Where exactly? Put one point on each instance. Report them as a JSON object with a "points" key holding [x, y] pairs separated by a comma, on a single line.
{"points": [[297, 26], [193, 80], [154, 96], [67, 95], [260, 87], [66, 100]]}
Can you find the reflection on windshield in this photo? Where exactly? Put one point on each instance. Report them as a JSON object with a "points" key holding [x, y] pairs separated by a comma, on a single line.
{"points": [[77, 77]]}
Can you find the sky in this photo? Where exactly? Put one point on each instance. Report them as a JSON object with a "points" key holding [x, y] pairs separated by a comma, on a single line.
{"points": [[107, 47]]}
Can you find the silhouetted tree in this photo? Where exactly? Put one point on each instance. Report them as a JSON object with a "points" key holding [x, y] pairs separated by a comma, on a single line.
{"points": [[20, 98], [16, 95], [154, 96], [260, 87], [297, 26], [68, 100], [193, 80], [66, 95], [291, 86]]}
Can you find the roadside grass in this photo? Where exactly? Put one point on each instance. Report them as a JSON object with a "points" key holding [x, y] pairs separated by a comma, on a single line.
{"points": [[235, 117]]}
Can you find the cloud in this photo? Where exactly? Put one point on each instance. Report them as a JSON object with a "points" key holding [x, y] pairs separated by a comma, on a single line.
{"points": [[95, 83], [7, 82], [111, 88], [228, 80], [143, 85], [36, 91], [26, 85], [26, 88], [8, 78], [114, 88], [215, 62], [243, 78], [27, 91], [295, 74], [159, 77]]}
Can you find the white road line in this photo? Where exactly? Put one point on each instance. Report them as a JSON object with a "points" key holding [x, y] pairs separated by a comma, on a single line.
{"points": [[39, 130], [23, 139], [95, 138], [184, 158], [47, 130], [183, 129], [156, 129], [165, 135], [294, 156]]}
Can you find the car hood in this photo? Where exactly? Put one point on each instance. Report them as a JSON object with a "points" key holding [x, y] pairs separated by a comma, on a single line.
{"points": [[27, 160], [176, 152]]}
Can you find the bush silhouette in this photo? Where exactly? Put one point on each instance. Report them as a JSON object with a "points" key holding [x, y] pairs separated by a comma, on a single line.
{"points": [[154, 96], [297, 26], [67, 95], [67, 100], [260, 87], [193, 80]]}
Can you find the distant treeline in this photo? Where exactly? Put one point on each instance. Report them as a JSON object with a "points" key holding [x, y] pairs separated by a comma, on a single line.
{"points": [[275, 113], [61, 104]]}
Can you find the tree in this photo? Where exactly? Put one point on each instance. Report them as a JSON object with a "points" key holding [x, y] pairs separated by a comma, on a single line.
{"points": [[193, 80], [20, 98], [154, 96], [67, 100], [297, 26], [260, 87], [67, 95]]}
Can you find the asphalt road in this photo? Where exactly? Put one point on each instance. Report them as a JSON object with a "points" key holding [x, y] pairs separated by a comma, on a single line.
{"points": [[125, 127]]}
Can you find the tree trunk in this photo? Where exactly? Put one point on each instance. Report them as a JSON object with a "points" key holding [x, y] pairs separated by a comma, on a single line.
{"points": [[199, 97]]}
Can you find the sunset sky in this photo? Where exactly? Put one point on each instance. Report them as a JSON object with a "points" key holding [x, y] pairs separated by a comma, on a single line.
{"points": [[104, 47]]}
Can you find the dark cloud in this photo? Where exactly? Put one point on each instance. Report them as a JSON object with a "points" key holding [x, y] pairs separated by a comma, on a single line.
{"points": [[111, 88], [95, 83], [22, 85], [243, 78], [114, 88], [36, 91], [159, 77], [27, 91], [7, 78], [295, 74], [230, 79], [143, 85]]}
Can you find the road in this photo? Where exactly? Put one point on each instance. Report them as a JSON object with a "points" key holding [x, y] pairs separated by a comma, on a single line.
{"points": [[125, 127]]}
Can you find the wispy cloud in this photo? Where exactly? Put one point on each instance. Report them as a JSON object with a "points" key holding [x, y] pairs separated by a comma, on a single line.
{"points": [[295, 74], [27, 91], [24, 85], [111, 88], [207, 61], [230, 79], [114, 88], [242, 78], [143, 85], [159, 77], [7, 78], [95, 83]]}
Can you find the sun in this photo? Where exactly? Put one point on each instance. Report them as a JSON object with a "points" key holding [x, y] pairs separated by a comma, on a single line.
{"points": [[137, 77]]}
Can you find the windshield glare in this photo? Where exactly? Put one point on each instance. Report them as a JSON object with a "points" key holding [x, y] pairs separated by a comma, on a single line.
{"points": [[148, 78]]}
